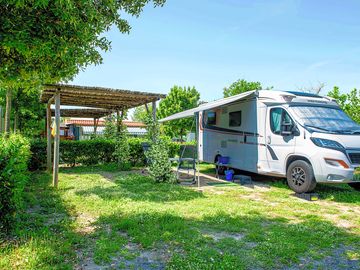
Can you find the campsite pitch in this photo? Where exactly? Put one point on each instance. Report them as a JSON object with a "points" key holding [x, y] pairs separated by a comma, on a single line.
{"points": [[104, 219]]}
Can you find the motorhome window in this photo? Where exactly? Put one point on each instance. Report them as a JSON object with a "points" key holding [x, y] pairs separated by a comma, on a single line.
{"points": [[235, 119], [278, 116], [211, 118]]}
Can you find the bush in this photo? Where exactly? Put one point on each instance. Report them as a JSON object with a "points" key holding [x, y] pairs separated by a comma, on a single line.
{"points": [[92, 152], [38, 155], [14, 158], [158, 154]]}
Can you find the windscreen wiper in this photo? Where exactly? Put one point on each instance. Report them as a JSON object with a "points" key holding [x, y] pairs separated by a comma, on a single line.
{"points": [[324, 129]]}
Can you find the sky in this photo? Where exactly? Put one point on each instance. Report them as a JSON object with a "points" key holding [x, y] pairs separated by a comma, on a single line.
{"points": [[287, 44]]}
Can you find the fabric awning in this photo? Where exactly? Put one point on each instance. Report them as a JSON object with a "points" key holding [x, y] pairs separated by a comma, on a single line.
{"points": [[209, 105]]}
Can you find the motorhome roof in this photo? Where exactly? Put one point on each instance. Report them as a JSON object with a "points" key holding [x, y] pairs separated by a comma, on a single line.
{"points": [[271, 96], [304, 94]]}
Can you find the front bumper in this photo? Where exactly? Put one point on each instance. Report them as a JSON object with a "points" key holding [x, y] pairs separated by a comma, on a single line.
{"points": [[325, 173]]}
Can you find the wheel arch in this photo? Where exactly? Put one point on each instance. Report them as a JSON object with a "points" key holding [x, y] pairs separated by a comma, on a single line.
{"points": [[292, 158]]}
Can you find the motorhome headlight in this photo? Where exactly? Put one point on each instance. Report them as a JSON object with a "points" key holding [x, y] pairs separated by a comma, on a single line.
{"points": [[328, 144]]}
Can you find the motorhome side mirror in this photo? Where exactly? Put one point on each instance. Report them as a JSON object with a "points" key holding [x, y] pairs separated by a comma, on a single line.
{"points": [[287, 129]]}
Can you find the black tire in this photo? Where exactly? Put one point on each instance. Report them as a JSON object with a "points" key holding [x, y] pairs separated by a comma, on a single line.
{"points": [[300, 176], [355, 186]]}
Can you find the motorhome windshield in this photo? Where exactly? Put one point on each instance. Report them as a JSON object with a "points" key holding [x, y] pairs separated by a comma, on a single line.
{"points": [[325, 119]]}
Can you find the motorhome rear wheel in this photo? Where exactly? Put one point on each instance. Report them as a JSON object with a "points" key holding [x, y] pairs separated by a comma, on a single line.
{"points": [[300, 176]]}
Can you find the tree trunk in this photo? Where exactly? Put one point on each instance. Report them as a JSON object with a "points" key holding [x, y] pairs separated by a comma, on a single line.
{"points": [[8, 111], [16, 121], [1, 119]]}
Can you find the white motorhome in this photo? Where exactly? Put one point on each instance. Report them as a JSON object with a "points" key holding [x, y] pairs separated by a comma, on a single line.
{"points": [[304, 137]]}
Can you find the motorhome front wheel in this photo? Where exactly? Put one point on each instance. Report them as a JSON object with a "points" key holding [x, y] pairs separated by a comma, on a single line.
{"points": [[300, 176]]}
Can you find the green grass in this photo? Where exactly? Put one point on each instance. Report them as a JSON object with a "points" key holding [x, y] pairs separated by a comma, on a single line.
{"points": [[113, 218]]}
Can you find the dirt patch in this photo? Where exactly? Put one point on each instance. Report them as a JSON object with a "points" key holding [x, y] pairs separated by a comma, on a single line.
{"points": [[217, 236], [85, 223], [336, 260]]}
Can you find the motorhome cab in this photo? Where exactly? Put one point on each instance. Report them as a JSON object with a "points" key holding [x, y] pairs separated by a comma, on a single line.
{"points": [[304, 137]]}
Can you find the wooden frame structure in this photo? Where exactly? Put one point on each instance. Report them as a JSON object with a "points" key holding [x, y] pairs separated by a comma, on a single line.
{"points": [[104, 100]]}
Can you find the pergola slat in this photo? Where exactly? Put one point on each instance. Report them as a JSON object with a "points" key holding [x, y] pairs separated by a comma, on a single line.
{"points": [[83, 113], [104, 100]]}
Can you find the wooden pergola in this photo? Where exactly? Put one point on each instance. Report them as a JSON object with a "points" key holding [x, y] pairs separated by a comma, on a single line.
{"points": [[100, 102]]}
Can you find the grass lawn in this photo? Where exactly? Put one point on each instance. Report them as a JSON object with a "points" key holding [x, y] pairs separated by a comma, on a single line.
{"points": [[103, 219]]}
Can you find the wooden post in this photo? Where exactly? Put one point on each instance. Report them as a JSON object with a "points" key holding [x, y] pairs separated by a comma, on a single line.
{"points": [[154, 110], [95, 127], [147, 108], [56, 140], [48, 136], [118, 122]]}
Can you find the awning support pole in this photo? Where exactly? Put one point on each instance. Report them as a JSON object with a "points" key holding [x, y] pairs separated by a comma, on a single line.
{"points": [[197, 149], [56, 140]]}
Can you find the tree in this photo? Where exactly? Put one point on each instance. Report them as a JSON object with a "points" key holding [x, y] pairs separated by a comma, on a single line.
{"points": [[315, 89], [179, 99], [140, 114], [158, 154], [349, 103], [50, 41], [241, 86]]}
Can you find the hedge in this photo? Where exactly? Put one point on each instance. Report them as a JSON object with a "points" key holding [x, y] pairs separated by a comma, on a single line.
{"points": [[92, 152], [14, 157]]}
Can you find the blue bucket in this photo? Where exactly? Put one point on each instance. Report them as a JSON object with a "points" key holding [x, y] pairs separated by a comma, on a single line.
{"points": [[229, 175], [224, 160]]}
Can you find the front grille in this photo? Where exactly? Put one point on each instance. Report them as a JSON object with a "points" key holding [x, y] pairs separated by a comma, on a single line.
{"points": [[354, 158]]}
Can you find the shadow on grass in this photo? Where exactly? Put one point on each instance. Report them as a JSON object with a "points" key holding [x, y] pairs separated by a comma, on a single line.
{"points": [[42, 237], [261, 242], [141, 188], [339, 193]]}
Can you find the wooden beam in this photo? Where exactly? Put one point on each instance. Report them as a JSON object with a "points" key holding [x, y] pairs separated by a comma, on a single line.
{"points": [[147, 108], [48, 136], [56, 140]]}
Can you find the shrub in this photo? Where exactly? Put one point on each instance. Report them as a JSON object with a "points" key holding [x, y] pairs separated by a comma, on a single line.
{"points": [[14, 158], [38, 155], [122, 151], [92, 152], [158, 154]]}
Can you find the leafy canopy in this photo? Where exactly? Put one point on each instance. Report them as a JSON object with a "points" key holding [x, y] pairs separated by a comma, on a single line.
{"points": [[349, 103], [241, 86], [49, 41], [140, 114], [179, 99]]}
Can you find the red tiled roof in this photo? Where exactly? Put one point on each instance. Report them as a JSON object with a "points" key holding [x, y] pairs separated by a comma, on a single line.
{"points": [[101, 123]]}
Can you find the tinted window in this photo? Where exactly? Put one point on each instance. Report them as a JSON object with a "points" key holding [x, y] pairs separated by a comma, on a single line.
{"points": [[278, 117], [211, 118], [235, 119]]}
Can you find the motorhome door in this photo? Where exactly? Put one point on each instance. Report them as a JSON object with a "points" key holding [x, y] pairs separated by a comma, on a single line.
{"points": [[280, 141]]}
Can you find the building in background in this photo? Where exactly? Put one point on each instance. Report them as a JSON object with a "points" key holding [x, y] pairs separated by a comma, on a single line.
{"points": [[83, 129]]}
